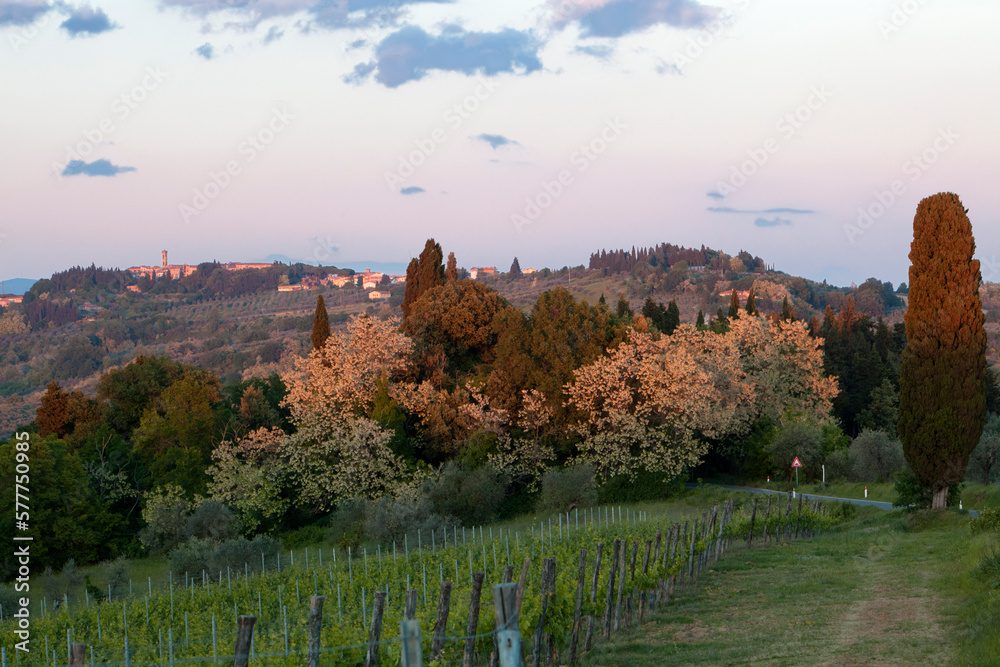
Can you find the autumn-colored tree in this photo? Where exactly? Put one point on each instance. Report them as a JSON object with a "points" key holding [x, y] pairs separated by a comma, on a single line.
{"points": [[457, 319], [52, 415], [734, 305], [942, 401], [321, 324], [451, 271]]}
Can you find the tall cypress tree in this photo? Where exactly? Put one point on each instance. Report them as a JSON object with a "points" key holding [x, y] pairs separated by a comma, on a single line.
{"points": [[734, 304], [410, 293], [422, 274], [672, 320], [321, 324], [515, 269], [451, 271], [701, 320], [942, 392], [751, 303]]}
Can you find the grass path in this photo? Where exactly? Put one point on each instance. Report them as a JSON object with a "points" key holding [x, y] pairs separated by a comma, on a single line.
{"points": [[879, 593]]}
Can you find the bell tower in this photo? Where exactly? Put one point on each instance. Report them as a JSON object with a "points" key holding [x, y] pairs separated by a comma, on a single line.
{"points": [[163, 254]]}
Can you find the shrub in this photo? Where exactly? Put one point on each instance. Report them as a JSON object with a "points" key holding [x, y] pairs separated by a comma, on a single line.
{"points": [[347, 523], [192, 556], [988, 521], [797, 439], [235, 553], [838, 465], [913, 495], [116, 575], [212, 521], [389, 519], [165, 513], [644, 485], [564, 488], [843, 511], [471, 495], [875, 456]]}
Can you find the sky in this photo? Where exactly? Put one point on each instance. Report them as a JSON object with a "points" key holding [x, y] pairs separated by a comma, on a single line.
{"points": [[346, 131]]}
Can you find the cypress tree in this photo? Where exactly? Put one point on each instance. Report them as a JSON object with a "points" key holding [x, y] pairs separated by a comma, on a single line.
{"points": [[751, 303], [734, 304], [321, 324], [942, 384], [410, 293], [623, 310], [451, 271], [701, 320], [515, 269], [673, 317], [787, 314]]}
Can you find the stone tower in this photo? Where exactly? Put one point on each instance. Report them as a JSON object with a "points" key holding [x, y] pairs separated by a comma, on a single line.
{"points": [[163, 254]]}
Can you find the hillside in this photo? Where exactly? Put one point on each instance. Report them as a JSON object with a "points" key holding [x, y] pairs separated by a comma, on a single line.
{"points": [[83, 322]]}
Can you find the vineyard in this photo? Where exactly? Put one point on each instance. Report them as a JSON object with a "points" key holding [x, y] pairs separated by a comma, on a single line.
{"points": [[582, 576]]}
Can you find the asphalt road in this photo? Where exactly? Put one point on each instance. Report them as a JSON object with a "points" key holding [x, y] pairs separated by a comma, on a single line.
{"points": [[808, 496]]}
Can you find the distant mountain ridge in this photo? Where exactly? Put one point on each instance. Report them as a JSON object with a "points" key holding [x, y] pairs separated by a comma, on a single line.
{"points": [[17, 285]]}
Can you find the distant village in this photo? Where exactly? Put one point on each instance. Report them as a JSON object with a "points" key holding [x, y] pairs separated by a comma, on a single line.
{"points": [[374, 282]]}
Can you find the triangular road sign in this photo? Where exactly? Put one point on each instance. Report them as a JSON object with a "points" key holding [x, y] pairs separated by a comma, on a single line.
{"points": [[796, 463]]}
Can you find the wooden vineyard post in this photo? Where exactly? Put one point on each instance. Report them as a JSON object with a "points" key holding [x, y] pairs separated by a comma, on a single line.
{"points": [[522, 581], [409, 638], [410, 607], [444, 604], [508, 574], [548, 584], [580, 583], [469, 658], [767, 515], [315, 626], [609, 602], [673, 555], [77, 653], [244, 636], [694, 539], [507, 632], [630, 603], [375, 632], [593, 595], [645, 570], [622, 569], [753, 516], [798, 519]]}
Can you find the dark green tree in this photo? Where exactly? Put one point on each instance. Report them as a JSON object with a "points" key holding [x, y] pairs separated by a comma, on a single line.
{"points": [[673, 317], [428, 272], [787, 313], [942, 401], [751, 303], [700, 323], [734, 304], [623, 310], [321, 324], [515, 269]]}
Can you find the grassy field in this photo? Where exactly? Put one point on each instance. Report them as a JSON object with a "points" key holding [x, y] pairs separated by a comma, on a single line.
{"points": [[887, 588]]}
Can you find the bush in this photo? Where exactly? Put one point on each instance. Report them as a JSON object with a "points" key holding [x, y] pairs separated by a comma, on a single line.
{"points": [[389, 519], [911, 494], [238, 552], [471, 495], [838, 465], [565, 488], [843, 512], [803, 440], [211, 521], [165, 512], [116, 575], [875, 456], [192, 556], [988, 521], [642, 486], [347, 523]]}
